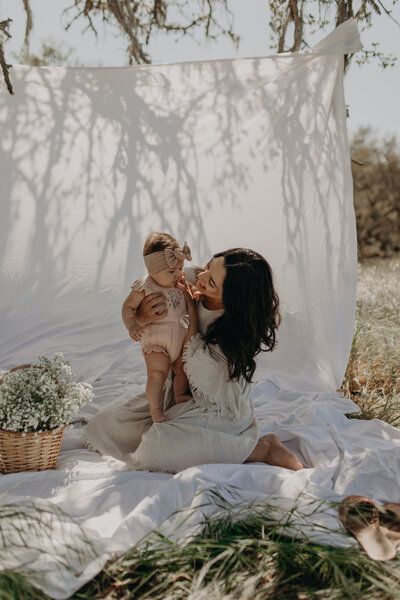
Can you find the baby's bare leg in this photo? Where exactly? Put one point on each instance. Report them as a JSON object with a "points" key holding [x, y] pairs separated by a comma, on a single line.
{"points": [[181, 384], [158, 365]]}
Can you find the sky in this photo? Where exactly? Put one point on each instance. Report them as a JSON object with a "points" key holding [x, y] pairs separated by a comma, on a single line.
{"points": [[372, 94]]}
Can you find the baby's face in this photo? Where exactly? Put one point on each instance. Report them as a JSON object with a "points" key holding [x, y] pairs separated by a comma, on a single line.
{"points": [[169, 277]]}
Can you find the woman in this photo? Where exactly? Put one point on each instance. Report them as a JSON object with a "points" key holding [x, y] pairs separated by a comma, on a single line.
{"points": [[234, 319]]}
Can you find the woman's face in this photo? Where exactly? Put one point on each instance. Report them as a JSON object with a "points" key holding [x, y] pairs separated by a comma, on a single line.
{"points": [[210, 282]]}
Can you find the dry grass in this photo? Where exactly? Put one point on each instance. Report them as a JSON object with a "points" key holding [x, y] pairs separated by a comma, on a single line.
{"points": [[372, 378]]}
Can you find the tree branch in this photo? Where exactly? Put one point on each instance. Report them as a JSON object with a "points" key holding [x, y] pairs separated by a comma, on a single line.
{"points": [[29, 22], [297, 18], [4, 36]]}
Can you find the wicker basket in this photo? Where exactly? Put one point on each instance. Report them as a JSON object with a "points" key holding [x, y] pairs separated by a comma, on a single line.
{"points": [[29, 451]]}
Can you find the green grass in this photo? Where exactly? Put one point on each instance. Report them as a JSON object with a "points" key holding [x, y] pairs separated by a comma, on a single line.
{"points": [[256, 557], [14, 587]]}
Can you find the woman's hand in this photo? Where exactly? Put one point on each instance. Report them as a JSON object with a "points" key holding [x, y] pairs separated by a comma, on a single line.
{"points": [[151, 309]]}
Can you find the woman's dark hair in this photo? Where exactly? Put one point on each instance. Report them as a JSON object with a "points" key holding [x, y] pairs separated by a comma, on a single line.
{"points": [[251, 314]]}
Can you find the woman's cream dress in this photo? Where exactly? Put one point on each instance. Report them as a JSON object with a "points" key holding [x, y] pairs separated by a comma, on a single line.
{"points": [[217, 426]]}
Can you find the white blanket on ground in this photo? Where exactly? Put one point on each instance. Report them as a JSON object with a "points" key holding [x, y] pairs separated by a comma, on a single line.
{"points": [[248, 152]]}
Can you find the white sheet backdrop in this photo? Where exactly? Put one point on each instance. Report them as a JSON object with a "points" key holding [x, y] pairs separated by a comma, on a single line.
{"points": [[247, 152], [226, 153]]}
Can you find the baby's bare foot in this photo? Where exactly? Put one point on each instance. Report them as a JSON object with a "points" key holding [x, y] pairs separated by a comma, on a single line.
{"points": [[271, 451]]}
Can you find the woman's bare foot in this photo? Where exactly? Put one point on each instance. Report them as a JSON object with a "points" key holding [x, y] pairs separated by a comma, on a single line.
{"points": [[270, 450]]}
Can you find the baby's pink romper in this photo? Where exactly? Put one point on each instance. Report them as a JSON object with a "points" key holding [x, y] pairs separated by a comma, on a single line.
{"points": [[168, 334]]}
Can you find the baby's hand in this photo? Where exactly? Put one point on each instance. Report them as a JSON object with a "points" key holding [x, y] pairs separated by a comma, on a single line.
{"points": [[196, 294], [158, 416], [190, 289]]}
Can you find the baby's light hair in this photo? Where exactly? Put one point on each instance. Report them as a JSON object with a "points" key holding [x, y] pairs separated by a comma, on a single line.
{"points": [[157, 241]]}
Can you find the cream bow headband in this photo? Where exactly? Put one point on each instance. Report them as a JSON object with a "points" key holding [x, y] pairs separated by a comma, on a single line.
{"points": [[168, 258]]}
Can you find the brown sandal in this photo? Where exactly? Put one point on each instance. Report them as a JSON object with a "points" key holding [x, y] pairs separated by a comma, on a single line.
{"points": [[361, 517]]}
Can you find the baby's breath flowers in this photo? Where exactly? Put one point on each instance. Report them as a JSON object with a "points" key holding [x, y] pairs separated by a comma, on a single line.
{"points": [[41, 397]]}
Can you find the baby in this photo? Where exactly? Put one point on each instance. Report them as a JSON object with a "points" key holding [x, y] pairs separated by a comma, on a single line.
{"points": [[162, 341]]}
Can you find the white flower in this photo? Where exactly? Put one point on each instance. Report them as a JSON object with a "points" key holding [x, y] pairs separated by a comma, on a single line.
{"points": [[41, 397]]}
